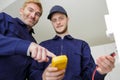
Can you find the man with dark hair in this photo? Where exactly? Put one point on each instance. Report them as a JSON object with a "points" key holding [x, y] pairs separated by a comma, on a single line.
{"points": [[80, 64]]}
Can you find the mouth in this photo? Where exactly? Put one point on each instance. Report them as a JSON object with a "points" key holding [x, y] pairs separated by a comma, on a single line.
{"points": [[59, 26], [31, 20]]}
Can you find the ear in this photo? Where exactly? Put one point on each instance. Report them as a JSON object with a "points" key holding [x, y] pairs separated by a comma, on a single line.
{"points": [[21, 11], [67, 18]]}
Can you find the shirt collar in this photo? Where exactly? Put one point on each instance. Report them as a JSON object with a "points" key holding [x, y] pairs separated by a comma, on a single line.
{"points": [[32, 31], [65, 37]]}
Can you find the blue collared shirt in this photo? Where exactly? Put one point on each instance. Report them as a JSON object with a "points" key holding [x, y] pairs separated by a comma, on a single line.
{"points": [[15, 39], [80, 61]]}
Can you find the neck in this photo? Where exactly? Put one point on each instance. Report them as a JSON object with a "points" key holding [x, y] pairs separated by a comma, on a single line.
{"points": [[63, 34]]}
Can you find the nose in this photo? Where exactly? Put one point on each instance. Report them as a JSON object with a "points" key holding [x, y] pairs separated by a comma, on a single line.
{"points": [[33, 14], [58, 21]]}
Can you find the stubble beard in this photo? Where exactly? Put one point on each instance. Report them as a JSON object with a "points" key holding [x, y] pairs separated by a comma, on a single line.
{"points": [[62, 32]]}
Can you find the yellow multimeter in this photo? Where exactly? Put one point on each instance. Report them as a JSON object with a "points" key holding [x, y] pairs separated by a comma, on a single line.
{"points": [[60, 62]]}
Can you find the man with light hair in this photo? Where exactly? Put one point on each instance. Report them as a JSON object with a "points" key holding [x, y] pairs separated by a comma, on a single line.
{"points": [[19, 52]]}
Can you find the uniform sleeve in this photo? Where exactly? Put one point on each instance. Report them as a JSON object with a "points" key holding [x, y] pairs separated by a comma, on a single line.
{"points": [[88, 64], [98, 76], [12, 46]]}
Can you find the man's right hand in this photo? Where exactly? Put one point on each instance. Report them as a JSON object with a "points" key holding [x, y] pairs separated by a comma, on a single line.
{"points": [[52, 73], [39, 53]]}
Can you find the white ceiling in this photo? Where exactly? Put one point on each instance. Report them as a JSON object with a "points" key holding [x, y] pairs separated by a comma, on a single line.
{"points": [[86, 19], [4, 4]]}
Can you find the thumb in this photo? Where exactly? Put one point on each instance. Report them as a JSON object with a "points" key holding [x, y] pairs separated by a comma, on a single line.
{"points": [[50, 54]]}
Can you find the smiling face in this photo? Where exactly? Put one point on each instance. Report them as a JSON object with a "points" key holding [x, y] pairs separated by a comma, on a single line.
{"points": [[30, 14], [60, 23]]}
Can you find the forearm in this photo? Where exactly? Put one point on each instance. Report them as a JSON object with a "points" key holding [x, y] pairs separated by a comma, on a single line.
{"points": [[98, 76], [12, 46]]}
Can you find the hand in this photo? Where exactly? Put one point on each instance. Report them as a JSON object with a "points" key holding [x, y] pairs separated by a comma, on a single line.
{"points": [[39, 53], [52, 73], [105, 64]]}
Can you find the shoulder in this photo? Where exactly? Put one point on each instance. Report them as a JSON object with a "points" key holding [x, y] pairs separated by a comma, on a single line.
{"points": [[80, 41], [77, 40], [6, 17], [3, 15], [45, 41]]}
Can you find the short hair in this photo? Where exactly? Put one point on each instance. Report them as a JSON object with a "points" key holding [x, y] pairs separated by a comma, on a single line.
{"points": [[37, 2]]}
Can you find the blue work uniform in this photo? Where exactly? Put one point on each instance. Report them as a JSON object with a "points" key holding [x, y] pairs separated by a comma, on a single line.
{"points": [[80, 61], [15, 39]]}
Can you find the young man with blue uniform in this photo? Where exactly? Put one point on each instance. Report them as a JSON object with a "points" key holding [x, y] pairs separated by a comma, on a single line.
{"points": [[80, 64], [19, 52]]}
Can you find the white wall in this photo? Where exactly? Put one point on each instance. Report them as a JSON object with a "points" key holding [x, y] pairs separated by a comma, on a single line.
{"points": [[104, 50]]}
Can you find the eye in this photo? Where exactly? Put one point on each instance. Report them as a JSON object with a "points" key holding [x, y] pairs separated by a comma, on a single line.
{"points": [[61, 18], [30, 9], [53, 20], [38, 14]]}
